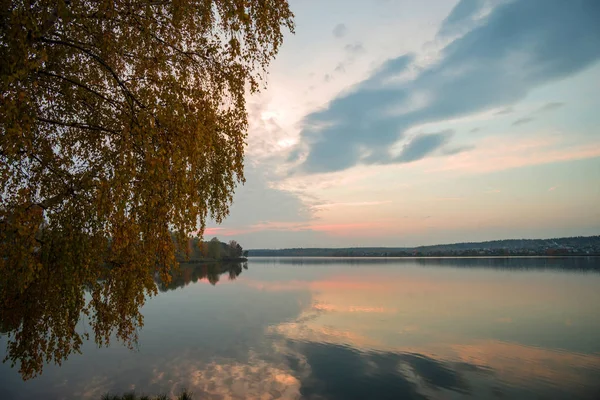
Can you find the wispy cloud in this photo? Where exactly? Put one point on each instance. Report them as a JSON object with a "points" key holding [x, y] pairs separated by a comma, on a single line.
{"points": [[504, 111], [340, 30], [496, 155], [353, 229], [354, 48], [552, 189], [522, 121], [455, 198], [510, 50], [423, 145], [550, 106], [350, 204]]}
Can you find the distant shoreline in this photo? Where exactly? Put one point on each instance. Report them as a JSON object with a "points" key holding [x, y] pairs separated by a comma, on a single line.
{"points": [[579, 246]]}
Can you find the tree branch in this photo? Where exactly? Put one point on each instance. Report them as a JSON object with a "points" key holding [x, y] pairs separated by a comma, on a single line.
{"points": [[78, 125], [100, 61]]}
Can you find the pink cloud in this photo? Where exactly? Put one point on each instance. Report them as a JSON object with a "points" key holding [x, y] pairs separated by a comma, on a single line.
{"points": [[363, 229], [212, 231], [552, 189], [495, 155], [351, 204]]}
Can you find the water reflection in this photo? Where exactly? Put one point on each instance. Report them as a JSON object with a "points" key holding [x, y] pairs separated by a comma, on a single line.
{"points": [[441, 331], [192, 273], [341, 372], [354, 329], [511, 263], [49, 318]]}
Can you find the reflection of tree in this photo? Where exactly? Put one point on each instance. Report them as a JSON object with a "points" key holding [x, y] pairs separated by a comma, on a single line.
{"points": [[121, 123], [40, 314], [193, 272]]}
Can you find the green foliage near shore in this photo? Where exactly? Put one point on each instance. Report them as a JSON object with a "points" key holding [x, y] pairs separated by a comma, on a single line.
{"points": [[185, 395]]}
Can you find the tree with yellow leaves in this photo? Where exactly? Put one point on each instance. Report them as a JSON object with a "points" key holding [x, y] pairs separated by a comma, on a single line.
{"points": [[121, 121]]}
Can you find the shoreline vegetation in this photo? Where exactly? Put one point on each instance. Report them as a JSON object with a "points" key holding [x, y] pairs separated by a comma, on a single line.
{"points": [[212, 251], [212, 260], [185, 395], [580, 246]]}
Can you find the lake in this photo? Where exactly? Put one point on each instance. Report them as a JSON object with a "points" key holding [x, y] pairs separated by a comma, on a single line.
{"points": [[335, 328]]}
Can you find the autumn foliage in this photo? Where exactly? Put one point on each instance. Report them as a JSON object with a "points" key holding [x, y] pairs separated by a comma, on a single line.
{"points": [[120, 123]]}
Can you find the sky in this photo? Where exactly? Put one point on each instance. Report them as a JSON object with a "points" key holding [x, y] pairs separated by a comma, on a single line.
{"points": [[403, 123]]}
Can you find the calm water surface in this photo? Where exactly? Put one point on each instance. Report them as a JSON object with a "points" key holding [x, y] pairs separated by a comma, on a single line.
{"points": [[319, 328]]}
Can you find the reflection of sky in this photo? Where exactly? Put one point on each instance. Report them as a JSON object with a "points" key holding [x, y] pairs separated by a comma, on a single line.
{"points": [[371, 329], [519, 332]]}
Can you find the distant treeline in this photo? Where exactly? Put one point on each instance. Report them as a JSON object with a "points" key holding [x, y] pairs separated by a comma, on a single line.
{"points": [[213, 250], [579, 245]]}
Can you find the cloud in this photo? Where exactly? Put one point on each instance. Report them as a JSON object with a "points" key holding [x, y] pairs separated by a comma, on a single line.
{"points": [[496, 154], [522, 121], [340, 31], [552, 189], [351, 204], [455, 150], [340, 68], [255, 202], [354, 48], [358, 229], [463, 15], [550, 107], [422, 145], [506, 110], [516, 47]]}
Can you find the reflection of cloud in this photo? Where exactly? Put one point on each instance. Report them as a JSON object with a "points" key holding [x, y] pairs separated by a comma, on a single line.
{"points": [[275, 286], [343, 372], [256, 379], [323, 334], [353, 309], [409, 329], [526, 365], [95, 388]]}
